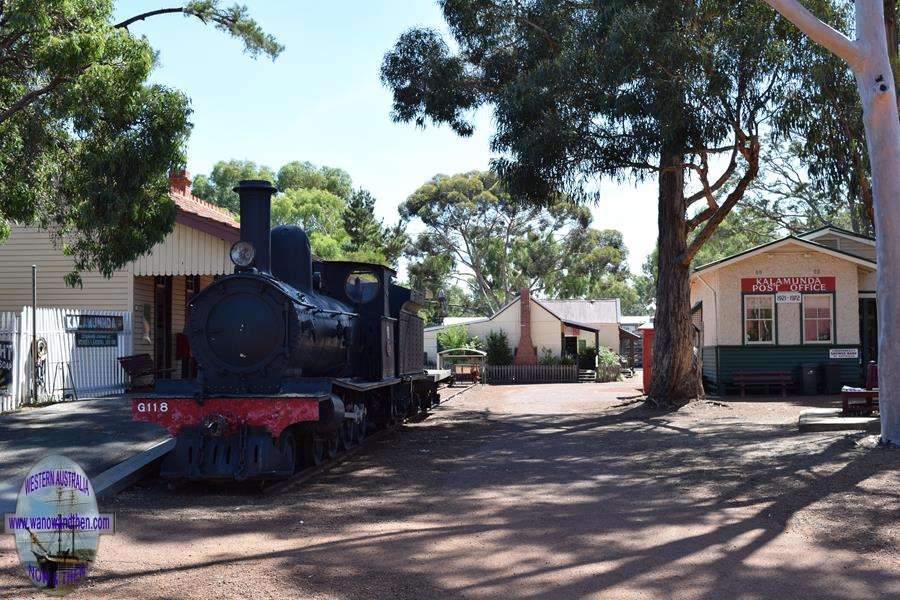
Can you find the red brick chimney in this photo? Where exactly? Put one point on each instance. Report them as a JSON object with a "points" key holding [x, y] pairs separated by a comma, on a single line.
{"points": [[525, 352], [180, 183]]}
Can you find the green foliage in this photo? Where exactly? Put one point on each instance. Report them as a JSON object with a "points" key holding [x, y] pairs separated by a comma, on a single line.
{"points": [[317, 211], [341, 224], [235, 20], [476, 232], [305, 175], [607, 358], [86, 143], [741, 230], [549, 359], [497, 348], [367, 238], [645, 286], [817, 170], [217, 187], [570, 97], [457, 336]]}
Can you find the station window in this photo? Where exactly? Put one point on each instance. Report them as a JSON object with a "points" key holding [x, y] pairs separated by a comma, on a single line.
{"points": [[817, 318], [759, 319]]}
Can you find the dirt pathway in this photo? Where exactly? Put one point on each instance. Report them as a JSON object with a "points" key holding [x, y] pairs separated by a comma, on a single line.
{"points": [[562, 491]]}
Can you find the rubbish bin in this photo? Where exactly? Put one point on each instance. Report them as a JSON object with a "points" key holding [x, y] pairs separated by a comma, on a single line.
{"points": [[832, 377], [809, 376]]}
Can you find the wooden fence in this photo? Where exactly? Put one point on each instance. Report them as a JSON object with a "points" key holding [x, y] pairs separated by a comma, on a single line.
{"points": [[498, 375]]}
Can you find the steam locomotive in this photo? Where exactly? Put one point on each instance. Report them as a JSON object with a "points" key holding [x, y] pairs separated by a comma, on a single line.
{"points": [[298, 358]]}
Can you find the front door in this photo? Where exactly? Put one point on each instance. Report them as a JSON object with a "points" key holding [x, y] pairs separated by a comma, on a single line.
{"points": [[868, 331], [162, 324], [571, 347]]}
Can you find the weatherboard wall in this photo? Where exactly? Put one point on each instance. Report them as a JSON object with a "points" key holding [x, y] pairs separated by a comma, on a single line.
{"points": [[790, 261], [722, 362]]}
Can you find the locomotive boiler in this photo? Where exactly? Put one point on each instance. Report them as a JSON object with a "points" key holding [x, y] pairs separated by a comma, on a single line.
{"points": [[297, 357]]}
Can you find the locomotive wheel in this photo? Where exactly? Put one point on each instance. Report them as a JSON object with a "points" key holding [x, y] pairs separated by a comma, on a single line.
{"points": [[331, 445], [287, 445], [313, 451], [346, 435]]}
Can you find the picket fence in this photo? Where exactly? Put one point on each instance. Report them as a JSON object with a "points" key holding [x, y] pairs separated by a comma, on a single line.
{"points": [[90, 371], [506, 374]]}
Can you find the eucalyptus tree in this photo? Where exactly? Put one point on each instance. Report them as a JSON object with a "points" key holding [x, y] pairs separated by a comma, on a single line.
{"points": [[582, 89], [86, 143], [869, 59], [498, 245]]}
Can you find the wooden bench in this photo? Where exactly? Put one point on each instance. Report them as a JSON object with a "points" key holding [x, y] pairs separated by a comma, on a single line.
{"points": [[765, 379], [869, 396], [140, 365]]}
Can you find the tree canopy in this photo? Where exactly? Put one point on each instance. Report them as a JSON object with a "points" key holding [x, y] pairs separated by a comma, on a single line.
{"points": [[623, 88], [339, 220], [86, 143], [478, 235]]}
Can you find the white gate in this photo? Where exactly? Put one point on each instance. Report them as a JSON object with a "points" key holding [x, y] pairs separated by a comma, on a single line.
{"points": [[90, 370]]}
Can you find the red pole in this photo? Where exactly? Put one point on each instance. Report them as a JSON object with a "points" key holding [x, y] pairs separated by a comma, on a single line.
{"points": [[647, 354]]}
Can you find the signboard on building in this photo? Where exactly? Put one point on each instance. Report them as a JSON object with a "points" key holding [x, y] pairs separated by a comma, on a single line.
{"points": [[6, 364], [96, 339], [803, 285], [788, 297], [94, 323], [834, 353]]}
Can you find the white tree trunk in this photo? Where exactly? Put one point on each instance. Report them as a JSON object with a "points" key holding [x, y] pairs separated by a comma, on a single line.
{"points": [[869, 60]]}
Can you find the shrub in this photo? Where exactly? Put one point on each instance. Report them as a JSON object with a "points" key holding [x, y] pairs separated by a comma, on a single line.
{"points": [[497, 348], [547, 357], [457, 336], [607, 358], [567, 360]]}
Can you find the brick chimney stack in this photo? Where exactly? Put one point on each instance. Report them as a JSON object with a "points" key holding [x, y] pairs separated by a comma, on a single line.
{"points": [[180, 183], [525, 352]]}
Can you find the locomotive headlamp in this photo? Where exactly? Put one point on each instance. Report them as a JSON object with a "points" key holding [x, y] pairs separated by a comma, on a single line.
{"points": [[243, 253]]}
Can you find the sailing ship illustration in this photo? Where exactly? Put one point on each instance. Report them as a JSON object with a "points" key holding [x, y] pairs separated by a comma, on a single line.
{"points": [[64, 553]]}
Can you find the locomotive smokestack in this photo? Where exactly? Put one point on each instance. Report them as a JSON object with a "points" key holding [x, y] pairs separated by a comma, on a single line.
{"points": [[256, 210]]}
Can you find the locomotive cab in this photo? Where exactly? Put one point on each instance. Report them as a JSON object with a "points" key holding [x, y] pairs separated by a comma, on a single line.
{"points": [[366, 287]]}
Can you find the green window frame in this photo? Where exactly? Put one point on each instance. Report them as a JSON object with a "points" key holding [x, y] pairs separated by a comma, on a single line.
{"points": [[818, 319]]}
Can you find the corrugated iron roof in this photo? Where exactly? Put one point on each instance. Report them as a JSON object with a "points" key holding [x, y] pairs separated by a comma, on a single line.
{"points": [[585, 311]]}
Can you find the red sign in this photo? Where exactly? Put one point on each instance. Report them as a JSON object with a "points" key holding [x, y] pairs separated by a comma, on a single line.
{"points": [[809, 285]]}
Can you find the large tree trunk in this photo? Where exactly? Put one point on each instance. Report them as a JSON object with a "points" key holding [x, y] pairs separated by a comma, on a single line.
{"points": [[875, 81], [675, 378]]}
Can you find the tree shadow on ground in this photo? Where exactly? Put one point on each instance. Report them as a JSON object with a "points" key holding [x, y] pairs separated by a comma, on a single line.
{"points": [[625, 503]]}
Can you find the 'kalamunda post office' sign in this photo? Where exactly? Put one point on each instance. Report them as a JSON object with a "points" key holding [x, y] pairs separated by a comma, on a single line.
{"points": [[803, 285]]}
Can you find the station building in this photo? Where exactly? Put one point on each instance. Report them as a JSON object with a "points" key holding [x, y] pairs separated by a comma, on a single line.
{"points": [[153, 289], [801, 300]]}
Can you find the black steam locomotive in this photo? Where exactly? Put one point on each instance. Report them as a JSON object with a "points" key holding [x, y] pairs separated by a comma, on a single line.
{"points": [[298, 358]]}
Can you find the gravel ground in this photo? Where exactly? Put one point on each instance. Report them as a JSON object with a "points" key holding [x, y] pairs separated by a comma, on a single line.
{"points": [[557, 491]]}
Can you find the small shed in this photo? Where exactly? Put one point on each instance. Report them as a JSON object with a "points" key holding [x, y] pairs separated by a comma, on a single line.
{"points": [[466, 364]]}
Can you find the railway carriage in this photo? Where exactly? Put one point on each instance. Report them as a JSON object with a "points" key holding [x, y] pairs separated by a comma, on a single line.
{"points": [[297, 358]]}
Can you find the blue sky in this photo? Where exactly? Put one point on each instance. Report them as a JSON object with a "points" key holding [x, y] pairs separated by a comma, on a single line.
{"points": [[322, 101]]}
